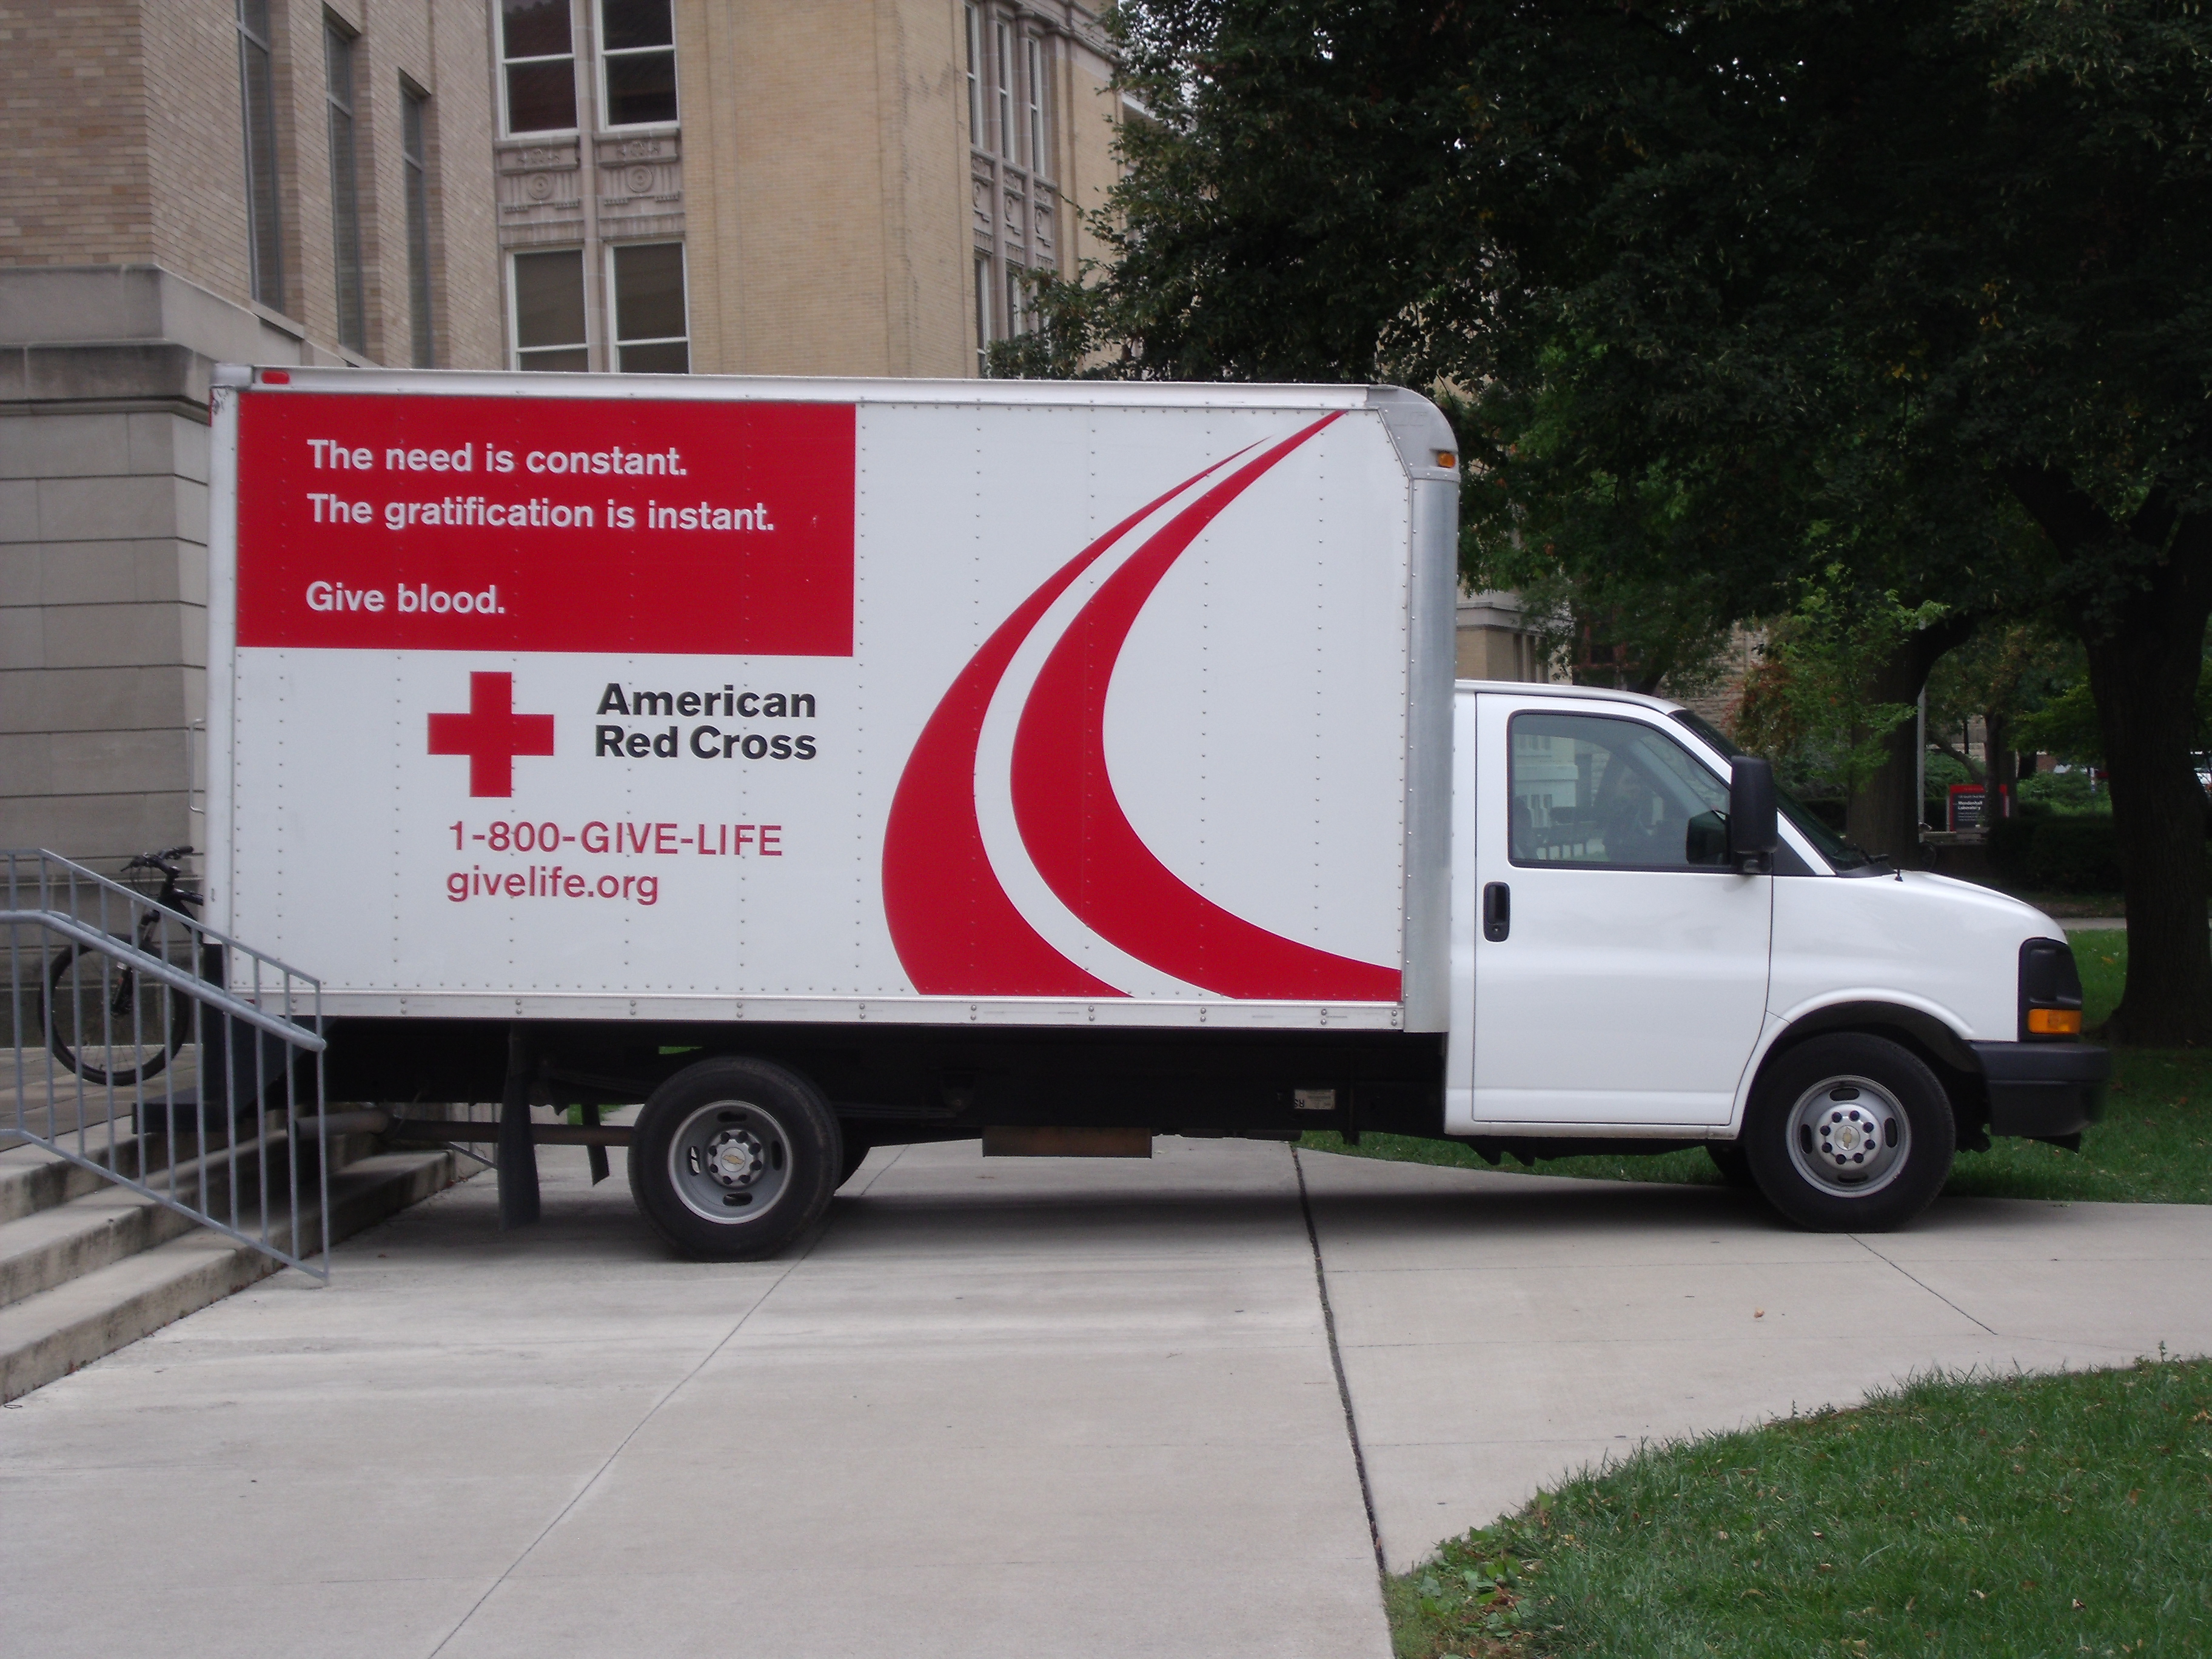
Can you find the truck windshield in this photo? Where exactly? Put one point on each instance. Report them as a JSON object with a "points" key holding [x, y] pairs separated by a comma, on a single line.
{"points": [[1840, 853]]}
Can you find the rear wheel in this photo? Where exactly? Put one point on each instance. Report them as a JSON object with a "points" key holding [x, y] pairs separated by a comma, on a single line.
{"points": [[732, 1159], [1850, 1133], [108, 1023]]}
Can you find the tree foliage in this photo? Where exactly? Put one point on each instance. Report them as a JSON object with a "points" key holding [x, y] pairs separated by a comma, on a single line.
{"points": [[1812, 704], [1738, 292]]}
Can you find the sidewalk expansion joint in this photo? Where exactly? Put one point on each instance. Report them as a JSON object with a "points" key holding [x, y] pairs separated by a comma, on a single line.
{"points": [[1336, 1363], [1859, 1241], [636, 1429]]}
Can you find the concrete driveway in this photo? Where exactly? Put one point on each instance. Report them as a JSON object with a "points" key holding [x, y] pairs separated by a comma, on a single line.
{"points": [[1008, 1408]]}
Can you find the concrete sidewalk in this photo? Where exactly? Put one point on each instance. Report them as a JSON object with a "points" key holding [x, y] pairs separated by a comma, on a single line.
{"points": [[1498, 1330], [1009, 1408], [1015, 1407]]}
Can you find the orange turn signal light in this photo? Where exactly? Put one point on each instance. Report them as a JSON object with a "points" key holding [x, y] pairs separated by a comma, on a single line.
{"points": [[2054, 1022], [1446, 458]]}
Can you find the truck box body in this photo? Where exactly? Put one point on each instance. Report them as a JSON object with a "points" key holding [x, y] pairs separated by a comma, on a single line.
{"points": [[833, 764], [560, 698]]}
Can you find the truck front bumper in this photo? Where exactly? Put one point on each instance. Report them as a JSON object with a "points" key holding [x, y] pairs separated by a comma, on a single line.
{"points": [[2043, 1090]]}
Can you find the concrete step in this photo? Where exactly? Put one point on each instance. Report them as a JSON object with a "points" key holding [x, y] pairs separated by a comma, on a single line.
{"points": [[33, 1179], [51, 1333], [64, 1241]]}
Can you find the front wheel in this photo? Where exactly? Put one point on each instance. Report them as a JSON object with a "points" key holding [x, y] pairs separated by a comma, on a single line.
{"points": [[1850, 1133], [1728, 1156], [732, 1159]]}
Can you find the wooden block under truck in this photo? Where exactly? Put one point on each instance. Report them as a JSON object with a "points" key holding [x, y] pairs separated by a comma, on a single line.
{"points": [[835, 764]]}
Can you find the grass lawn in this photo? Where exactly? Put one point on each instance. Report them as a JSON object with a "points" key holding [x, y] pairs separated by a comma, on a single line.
{"points": [[2155, 1145], [2022, 1516]]}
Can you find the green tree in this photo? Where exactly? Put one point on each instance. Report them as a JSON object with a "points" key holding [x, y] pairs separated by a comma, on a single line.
{"points": [[1856, 280], [2004, 677], [1816, 705]]}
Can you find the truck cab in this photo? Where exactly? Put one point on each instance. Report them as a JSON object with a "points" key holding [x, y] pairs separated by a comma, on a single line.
{"points": [[1626, 971]]}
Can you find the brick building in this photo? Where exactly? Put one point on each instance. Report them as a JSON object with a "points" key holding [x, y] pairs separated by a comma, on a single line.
{"points": [[189, 181], [790, 186]]}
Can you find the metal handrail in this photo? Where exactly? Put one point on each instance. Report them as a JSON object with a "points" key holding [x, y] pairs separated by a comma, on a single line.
{"points": [[229, 1180], [77, 875], [191, 985]]}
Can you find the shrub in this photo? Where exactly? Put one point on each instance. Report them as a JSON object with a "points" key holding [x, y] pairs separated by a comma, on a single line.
{"points": [[2056, 852]]}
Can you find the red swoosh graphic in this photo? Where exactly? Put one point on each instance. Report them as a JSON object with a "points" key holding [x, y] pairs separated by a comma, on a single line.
{"points": [[955, 932], [1082, 843]]}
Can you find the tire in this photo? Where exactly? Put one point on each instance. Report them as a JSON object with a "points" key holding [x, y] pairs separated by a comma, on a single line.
{"points": [[734, 1158], [1733, 1164], [97, 1011], [856, 1153], [1850, 1133]]}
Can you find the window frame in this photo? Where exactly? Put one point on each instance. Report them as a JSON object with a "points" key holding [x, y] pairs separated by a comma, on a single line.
{"points": [[984, 308], [978, 118], [348, 242], [607, 123], [263, 151], [1651, 729], [1002, 89], [1034, 84], [415, 144], [614, 335], [506, 126], [516, 349]]}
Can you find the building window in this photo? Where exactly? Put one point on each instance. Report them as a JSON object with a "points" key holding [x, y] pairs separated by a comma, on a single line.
{"points": [[1033, 84], [415, 168], [637, 53], [1003, 37], [345, 187], [1010, 135], [975, 135], [258, 93], [652, 336], [539, 54], [549, 330], [982, 313]]}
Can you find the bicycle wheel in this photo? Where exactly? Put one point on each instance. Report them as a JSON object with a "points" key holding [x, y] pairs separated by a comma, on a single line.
{"points": [[109, 1023]]}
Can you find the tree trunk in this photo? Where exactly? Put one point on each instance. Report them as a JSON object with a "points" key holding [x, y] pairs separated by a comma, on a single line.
{"points": [[2146, 653], [1999, 779], [2144, 678], [1884, 816]]}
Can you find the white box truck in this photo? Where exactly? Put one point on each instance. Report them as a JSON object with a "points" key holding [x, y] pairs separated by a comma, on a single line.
{"points": [[834, 764]]}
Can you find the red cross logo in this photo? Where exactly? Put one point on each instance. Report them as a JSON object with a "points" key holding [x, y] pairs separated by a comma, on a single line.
{"points": [[491, 734]]}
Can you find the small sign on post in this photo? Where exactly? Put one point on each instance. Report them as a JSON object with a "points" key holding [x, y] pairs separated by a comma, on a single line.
{"points": [[1966, 804]]}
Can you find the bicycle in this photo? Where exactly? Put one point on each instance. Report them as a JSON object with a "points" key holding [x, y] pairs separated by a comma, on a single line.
{"points": [[97, 1003]]}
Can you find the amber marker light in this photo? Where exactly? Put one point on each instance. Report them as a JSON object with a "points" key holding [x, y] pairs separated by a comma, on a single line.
{"points": [[2055, 1022], [1445, 458]]}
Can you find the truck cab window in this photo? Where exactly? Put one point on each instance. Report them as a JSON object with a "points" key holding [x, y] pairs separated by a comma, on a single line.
{"points": [[1846, 858], [1596, 791]]}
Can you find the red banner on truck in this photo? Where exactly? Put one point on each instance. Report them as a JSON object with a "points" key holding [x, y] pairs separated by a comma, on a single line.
{"points": [[541, 523]]}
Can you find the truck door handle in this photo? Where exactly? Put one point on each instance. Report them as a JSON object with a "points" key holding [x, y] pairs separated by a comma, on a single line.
{"points": [[1496, 911]]}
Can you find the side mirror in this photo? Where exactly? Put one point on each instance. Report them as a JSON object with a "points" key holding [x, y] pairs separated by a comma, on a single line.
{"points": [[1752, 832]]}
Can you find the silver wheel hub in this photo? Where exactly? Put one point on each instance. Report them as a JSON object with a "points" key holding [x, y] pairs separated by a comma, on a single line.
{"points": [[736, 1158], [1849, 1136], [730, 1162]]}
